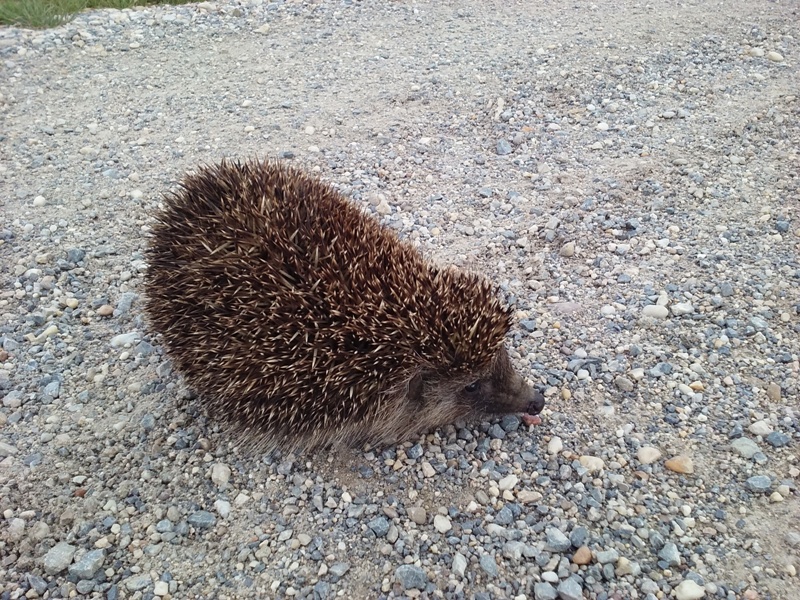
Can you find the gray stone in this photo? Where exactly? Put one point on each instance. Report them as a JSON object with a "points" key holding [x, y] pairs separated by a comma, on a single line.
{"points": [[13, 399], [7, 450], [339, 569], [322, 590], [759, 483], [148, 422], [125, 302], [556, 541], [544, 591], [497, 432], [513, 550], [570, 589], [669, 554], [459, 564], [144, 349], [379, 526], [52, 390], [510, 423], [84, 586], [745, 447], [503, 147], [75, 255], [778, 439], [37, 583], [88, 564], [414, 452], [411, 577], [489, 565], [607, 556], [624, 384], [202, 519], [504, 516], [58, 558], [417, 514], [138, 582], [164, 526], [577, 537]]}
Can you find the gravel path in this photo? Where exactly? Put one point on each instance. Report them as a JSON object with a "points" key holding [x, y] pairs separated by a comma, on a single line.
{"points": [[628, 172]]}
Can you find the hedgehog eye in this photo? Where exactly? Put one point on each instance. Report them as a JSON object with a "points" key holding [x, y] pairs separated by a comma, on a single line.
{"points": [[472, 387]]}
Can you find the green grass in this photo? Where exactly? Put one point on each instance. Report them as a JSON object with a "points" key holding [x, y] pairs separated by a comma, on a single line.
{"points": [[41, 14]]}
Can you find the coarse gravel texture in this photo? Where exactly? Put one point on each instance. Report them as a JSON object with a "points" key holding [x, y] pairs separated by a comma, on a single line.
{"points": [[628, 173]]}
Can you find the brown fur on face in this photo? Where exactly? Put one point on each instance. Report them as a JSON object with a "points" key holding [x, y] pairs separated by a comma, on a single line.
{"points": [[429, 401]]}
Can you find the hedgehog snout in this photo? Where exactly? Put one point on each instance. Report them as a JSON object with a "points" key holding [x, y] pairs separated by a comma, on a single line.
{"points": [[524, 398], [536, 403]]}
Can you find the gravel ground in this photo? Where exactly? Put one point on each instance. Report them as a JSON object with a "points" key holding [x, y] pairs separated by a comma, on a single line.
{"points": [[627, 172]]}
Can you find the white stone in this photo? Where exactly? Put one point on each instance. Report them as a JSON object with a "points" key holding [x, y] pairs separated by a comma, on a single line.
{"points": [[648, 455], [124, 339], [220, 474], [223, 508], [508, 482], [760, 428], [682, 308], [592, 463], [689, 590], [655, 311], [555, 445], [442, 524], [161, 588]]}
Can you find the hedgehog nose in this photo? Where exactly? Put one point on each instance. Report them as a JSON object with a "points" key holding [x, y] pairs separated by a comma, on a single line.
{"points": [[536, 405]]}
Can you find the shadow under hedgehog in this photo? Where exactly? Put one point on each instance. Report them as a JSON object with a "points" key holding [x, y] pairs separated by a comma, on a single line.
{"points": [[295, 315]]}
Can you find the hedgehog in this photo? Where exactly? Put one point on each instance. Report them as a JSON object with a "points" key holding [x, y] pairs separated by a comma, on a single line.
{"points": [[294, 314]]}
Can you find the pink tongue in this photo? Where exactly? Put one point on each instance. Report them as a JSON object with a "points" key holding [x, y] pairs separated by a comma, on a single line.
{"points": [[531, 419]]}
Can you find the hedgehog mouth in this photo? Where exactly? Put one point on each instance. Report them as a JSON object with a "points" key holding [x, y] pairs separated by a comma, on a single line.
{"points": [[532, 410]]}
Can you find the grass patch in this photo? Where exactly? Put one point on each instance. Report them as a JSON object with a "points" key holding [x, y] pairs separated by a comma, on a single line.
{"points": [[42, 14]]}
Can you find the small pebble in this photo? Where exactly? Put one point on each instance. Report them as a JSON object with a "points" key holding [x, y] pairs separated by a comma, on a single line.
{"points": [[592, 463], [58, 558], [489, 565], [680, 464], [655, 311], [648, 455], [689, 590], [411, 577], [759, 483], [761, 428], [555, 445], [418, 515], [441, 524], [582, 556]]}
